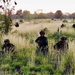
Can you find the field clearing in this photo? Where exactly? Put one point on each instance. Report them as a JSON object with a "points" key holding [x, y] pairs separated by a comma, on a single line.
{"points": [[53, 26], [33, 29], [32, 32]]}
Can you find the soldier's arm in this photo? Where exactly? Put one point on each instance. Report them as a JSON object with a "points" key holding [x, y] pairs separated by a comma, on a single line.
{"points": [[46, 41], [67, 46], [3, 47], [12, 47], [37, 40], [56, 46]]}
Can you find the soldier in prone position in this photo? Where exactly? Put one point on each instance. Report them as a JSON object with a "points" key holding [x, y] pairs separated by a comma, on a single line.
{"points": [[42, 43]]}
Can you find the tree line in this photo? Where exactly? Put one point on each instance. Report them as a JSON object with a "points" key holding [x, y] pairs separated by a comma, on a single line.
{"points": [[57, 15], [28, 16]]}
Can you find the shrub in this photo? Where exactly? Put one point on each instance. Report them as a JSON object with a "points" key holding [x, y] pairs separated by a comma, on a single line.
{"points": [[21, 21], [65, 21], [6, 25]]}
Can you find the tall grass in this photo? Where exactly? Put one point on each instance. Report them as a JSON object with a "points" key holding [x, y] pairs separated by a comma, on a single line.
{"points": [[31, 64]]}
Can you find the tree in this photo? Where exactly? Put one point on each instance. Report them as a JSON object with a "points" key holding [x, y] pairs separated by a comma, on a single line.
{"points": [[1, 17], [41, 16], [73, 16], [50, 15], [6, 24], [27, 15], [19, 13], [38, 14], [58, 14]]}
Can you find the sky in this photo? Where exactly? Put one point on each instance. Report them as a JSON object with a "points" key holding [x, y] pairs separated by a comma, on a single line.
{"points": [[46, 5]]}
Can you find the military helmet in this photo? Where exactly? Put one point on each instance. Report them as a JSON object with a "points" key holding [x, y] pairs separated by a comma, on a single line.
{"points": [[63, 37], [42, 32], [6, 40]]}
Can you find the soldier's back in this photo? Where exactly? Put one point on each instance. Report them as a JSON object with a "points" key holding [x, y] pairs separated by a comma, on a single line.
{"points": [[61, 45]]}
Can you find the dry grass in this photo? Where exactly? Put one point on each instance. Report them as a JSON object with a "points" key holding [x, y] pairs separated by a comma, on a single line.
{"points": [[35, 27], [32, 28], [53, 26], [18, 41], [72, 47]]}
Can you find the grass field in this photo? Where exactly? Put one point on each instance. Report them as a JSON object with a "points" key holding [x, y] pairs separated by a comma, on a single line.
{"points": [[24, 56]]}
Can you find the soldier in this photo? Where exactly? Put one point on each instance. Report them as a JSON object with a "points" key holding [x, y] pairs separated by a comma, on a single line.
{"points": [[7, 46], [42, 43], [62, 45]]}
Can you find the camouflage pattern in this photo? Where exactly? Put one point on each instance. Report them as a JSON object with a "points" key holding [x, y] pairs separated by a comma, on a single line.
{"points": [[42, 45], [61, 46], [8, 48]]}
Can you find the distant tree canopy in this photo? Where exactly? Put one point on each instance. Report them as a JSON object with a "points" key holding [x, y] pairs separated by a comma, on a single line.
{"points": [[58, 14], [73, 15], [25, 14], [19, 13], [40, 16], [50, 15]]}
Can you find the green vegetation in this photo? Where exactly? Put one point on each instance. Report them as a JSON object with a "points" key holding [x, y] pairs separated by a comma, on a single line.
{"points": [[6, 25], [65, 21], [21, 21], [31, 64]]}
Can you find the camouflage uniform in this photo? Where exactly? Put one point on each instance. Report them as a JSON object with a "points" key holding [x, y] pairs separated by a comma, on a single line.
{"points": [[7, 46], [61, 45], [42, 45]]}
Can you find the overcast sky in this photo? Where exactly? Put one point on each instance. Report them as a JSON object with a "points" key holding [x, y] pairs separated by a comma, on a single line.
{"points": [[46, 5]]}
